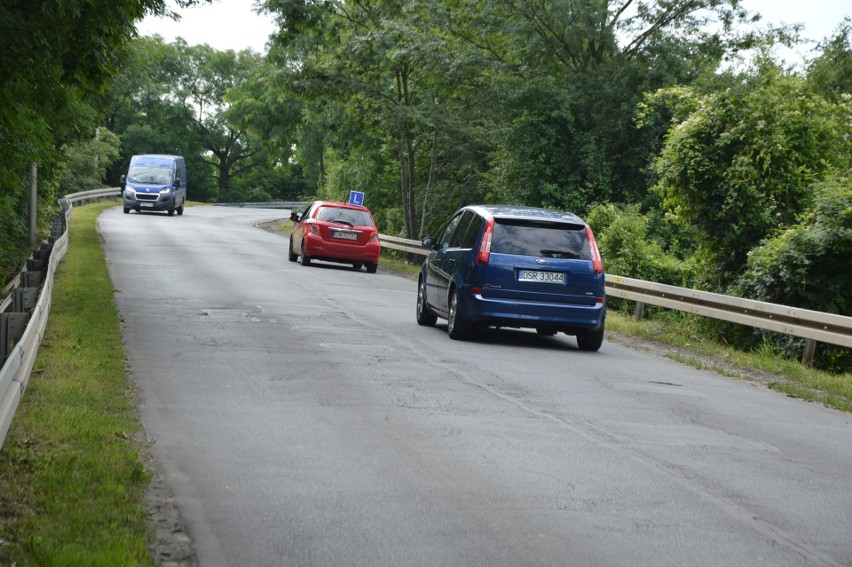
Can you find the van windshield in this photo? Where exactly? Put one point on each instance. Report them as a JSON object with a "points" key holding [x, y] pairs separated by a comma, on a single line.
{"points": [[532, 238], [150, 175]]}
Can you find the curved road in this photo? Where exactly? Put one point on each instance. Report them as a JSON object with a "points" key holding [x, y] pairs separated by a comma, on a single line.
{"points": [[303, 418]]}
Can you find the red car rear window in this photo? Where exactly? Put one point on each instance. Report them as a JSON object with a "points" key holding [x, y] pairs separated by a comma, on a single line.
{"points": [[352, 217]]}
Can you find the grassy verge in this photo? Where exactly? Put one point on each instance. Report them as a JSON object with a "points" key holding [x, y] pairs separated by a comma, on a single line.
{"points": [[72, 478], [682, 344]]}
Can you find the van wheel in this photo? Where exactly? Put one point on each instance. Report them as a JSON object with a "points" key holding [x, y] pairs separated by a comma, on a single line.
{"points": [[590, 341], [457, 327], [180, 211], [126, 210], [425, 317], [305, 259], [171, 211]]}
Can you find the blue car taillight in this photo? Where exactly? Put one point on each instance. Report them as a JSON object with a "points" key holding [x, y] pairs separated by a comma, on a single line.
{"points": [[597, 262], [484, 253]]}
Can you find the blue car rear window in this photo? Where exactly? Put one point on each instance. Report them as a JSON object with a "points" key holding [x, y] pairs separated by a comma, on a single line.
{"points": [[530, 238]]}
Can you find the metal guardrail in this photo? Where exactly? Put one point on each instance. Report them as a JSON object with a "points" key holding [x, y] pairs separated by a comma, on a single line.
{"points": [[822, 327], [22, 327], [25, 306], [811, 325], [300, 205]]}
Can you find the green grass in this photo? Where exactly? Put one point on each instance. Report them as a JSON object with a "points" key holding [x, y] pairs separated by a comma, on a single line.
{"points": [[781, 374], [72, 478]]}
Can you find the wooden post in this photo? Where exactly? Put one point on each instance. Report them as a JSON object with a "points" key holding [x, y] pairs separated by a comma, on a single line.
{"points": [[640, 311], [808, 355]]}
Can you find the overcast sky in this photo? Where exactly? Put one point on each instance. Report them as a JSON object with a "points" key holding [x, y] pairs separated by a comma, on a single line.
{"points": [[233, 24]]}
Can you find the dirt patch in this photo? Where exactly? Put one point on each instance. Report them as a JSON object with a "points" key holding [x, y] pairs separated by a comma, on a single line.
{"points": [[169, 543]]}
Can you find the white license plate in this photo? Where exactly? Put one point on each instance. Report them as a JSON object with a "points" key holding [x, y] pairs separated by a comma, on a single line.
{"points": [[541, 277], [146, 204], [345, 235]]}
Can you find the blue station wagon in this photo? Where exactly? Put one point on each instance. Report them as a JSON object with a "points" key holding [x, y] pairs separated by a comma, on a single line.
{"points": [[518, 267]]}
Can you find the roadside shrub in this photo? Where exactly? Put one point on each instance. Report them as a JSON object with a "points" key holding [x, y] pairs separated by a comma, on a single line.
{"points": [[807, 265], [627, 250]]}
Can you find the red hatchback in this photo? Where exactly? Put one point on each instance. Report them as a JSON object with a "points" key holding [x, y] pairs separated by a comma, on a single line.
{"points": [[335, 232]]}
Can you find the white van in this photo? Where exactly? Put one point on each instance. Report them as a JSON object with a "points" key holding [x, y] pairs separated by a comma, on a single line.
{"points": [[155, 183]]}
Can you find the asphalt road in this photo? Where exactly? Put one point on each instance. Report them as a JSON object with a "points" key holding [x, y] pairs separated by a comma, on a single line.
{"points": [[302, 417]]}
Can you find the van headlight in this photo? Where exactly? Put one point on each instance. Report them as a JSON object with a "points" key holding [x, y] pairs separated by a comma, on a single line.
{"points": [[129, 191], [165, 191]]}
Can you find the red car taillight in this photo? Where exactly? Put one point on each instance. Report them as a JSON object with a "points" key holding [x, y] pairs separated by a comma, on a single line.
{"points": [[485, 247], [597, 262], [374, 236], [314, 229]]}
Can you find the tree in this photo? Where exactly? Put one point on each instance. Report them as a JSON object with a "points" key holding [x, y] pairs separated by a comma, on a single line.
{"points": [[830, 74], [55, 58], [88, 161], [807, 265], [360, 61], [207, 77], [175, 98], [518, 102], [741, 163]]}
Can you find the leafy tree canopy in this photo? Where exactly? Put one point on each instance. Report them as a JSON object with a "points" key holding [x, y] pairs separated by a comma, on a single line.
{"points": [[740, 163]]}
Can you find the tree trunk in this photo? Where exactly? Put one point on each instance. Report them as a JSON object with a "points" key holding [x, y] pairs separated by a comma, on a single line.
{"points": [[411, 200], [224, 181], [432, 160], [403, 186], [322, 175]]}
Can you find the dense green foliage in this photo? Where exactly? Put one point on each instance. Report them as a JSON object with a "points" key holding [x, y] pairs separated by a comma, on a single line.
{"points": [[56, 58], [87, 162], [742, 162], [628, 248], [453, 102], [808, 264]]}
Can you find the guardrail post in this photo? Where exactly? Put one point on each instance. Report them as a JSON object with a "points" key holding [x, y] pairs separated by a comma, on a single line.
{"points": [[808, 355], [32, 279], [12, 327], [639, 312], [24, 299]]}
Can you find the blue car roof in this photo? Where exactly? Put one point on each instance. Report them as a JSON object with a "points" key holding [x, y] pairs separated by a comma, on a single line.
{"points": [[536, 213]]}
